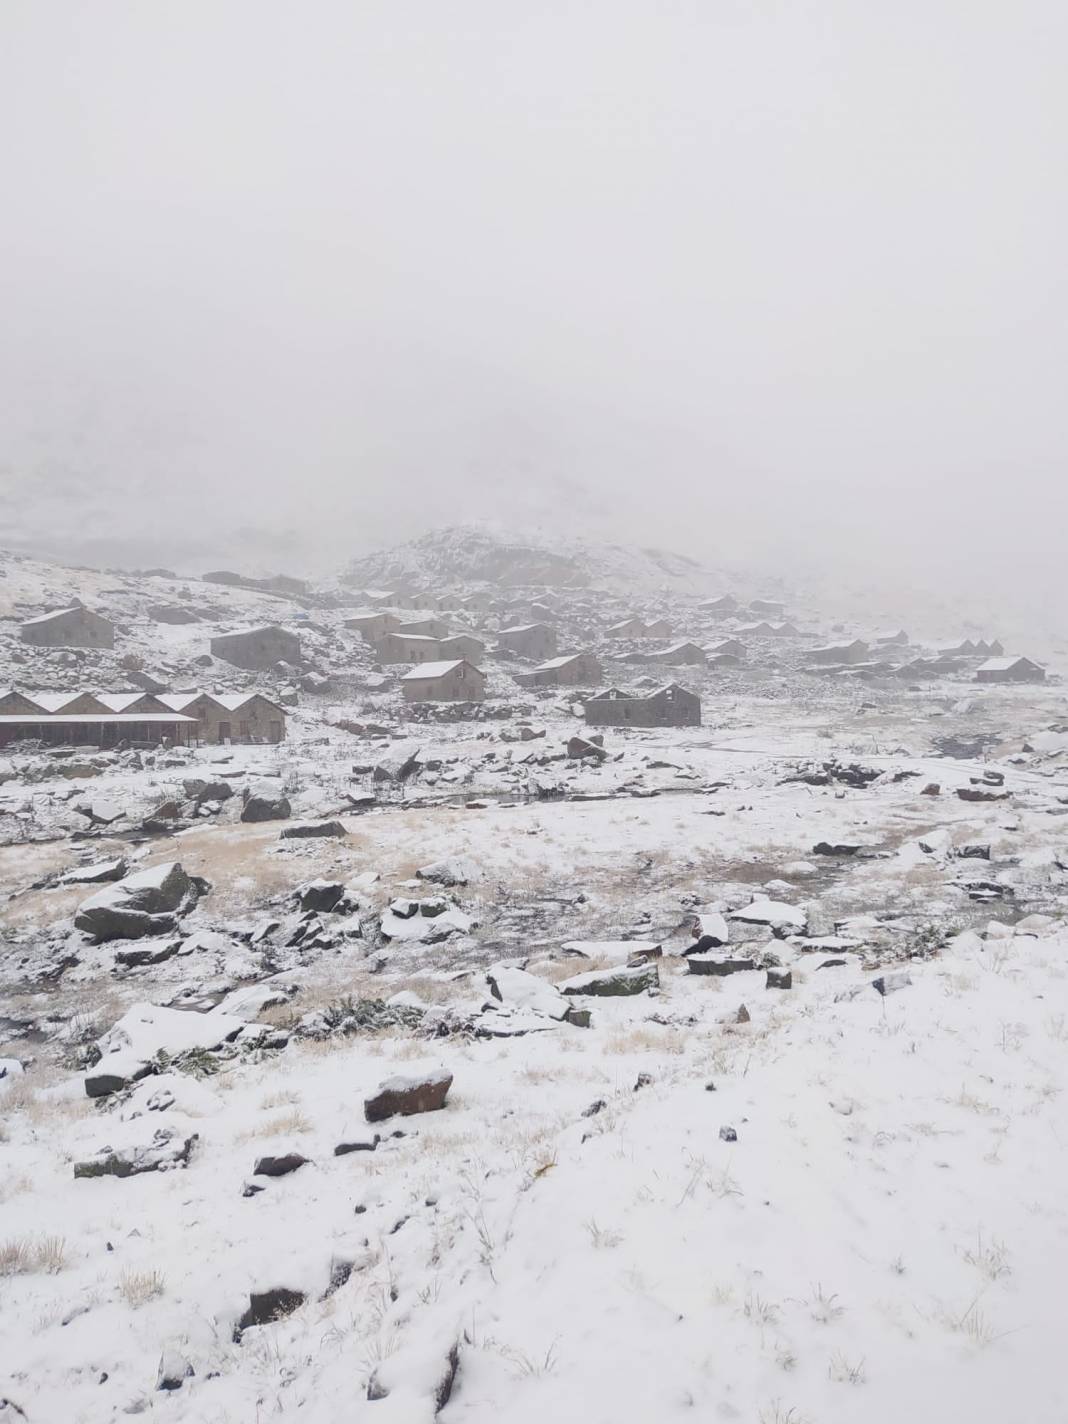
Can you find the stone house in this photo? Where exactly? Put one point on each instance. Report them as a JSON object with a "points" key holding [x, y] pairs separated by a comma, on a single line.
{"points": [[677, 655], [670, 706], [721, 607], [452, 680], [730, 647], [407, 648], [1010, 670], [424, 627], [74, 627], [658, 628], [462, 645], [839, 653], [529, 640], [571, 670], [767, 608], [628, 628], [223, 717], [372, 626], [257, 648]]}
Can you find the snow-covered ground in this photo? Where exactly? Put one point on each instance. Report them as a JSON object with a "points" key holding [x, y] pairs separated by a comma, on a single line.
{"points": [[839, 1204], [886, 1238]]}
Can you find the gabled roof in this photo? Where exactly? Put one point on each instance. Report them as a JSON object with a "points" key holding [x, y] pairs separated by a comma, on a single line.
{"points": [[120, 701], [59, 613], [228, 701], [525, 628], [410, 637], [179, 701], [249, 632], [560, 662], [1004, 664], [52, 701], [431, 671]]}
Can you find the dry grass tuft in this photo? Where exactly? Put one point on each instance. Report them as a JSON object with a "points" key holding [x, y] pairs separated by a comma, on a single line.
{"points": [[137, 1288], [24, 1255]]}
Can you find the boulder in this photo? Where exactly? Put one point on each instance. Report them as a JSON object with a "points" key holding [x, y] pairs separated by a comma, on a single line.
{"points": [[398, 763], [259, 807], [314, 830], [981, 793], [166, 1151], [279, 1166], [891, 983], [174, 1370], [779, 979], [836, 847], [142, 904], [129, 1051], [457, 870], [777, 915], [406, 1096], [320, 895], [267, 1306], [526, 991], [579, 748], [198, 790], [613, 983]]}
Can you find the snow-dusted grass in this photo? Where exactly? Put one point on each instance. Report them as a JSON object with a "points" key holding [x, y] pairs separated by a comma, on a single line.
{"points": [[885, 1235]]}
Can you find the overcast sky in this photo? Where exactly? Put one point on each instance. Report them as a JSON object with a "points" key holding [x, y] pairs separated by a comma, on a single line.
{"points": [[280, 280]]}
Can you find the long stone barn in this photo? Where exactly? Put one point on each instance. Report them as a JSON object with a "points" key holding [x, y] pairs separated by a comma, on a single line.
{"points": [[95, 729]]}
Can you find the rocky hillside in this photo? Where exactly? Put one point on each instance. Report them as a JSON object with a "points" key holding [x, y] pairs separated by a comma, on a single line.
{"points": [[488, 554]]}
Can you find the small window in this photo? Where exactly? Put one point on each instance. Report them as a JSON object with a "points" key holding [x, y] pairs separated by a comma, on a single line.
{"points": [[243, 726]]}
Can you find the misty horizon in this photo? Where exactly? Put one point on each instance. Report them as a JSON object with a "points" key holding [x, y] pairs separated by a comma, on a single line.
{"points": [[779, 285]]}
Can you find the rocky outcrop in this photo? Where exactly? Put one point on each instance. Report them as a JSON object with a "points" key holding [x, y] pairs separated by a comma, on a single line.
{"points": [[167, 1150], [146, 903]]}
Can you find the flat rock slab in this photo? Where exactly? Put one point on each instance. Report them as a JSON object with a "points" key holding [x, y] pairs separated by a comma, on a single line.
{"points": [[314, 830], [406, 1096], [166, 1151], [608, 983], [718, 964]]}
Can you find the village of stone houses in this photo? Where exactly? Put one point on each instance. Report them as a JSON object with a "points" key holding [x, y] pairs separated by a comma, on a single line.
{"points": [[532, 981]]}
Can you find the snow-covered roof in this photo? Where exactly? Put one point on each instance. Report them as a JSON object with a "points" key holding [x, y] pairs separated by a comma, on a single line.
{"points": [[560, 662], [412, 637], [127, 719], [55, 613], [51, 701], [433, 670], [1003, 664], [119, 701], [524, 628], [178, 700]]}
